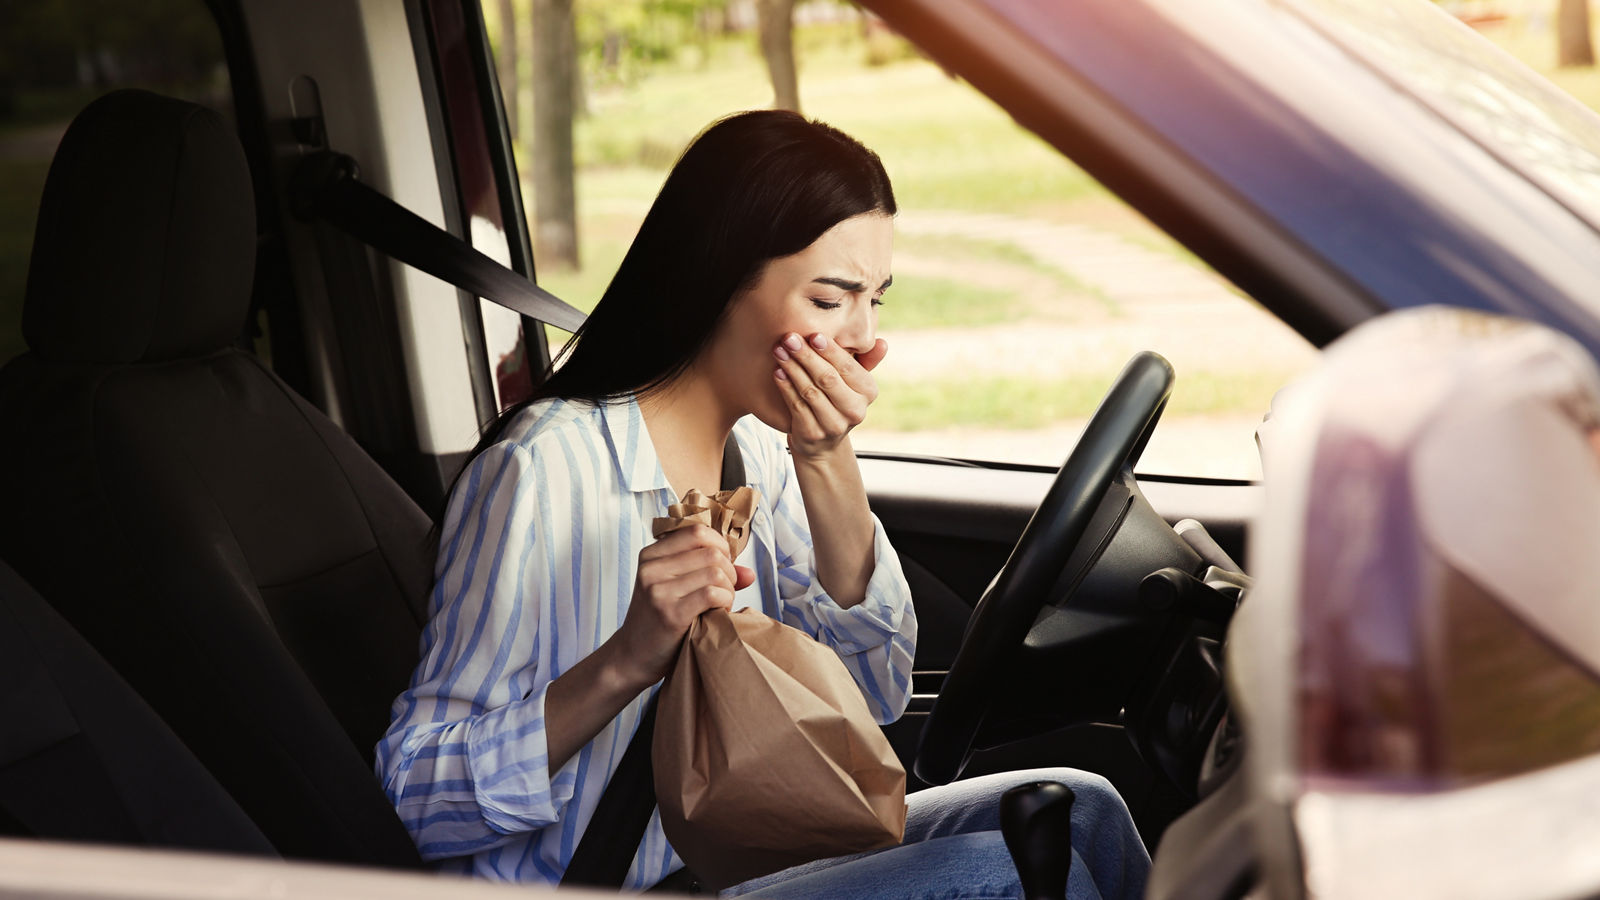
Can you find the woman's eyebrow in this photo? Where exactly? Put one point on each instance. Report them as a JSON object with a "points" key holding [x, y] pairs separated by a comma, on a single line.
{"points": [[851, 286]]}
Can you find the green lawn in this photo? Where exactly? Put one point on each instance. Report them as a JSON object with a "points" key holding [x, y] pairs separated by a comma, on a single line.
{"points": [[944, 144], [1016, 402], [947, 148], [921, 301], [967, 250]]}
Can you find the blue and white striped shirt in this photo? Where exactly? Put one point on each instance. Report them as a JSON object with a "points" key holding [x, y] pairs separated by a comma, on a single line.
{"points": [[536, 566]]}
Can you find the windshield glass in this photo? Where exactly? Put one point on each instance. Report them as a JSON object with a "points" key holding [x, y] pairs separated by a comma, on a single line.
{"points": [[1546, 134]]}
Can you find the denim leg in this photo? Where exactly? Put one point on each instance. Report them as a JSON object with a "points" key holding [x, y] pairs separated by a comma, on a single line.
{"points": [[972, 866], [1108, 858]]}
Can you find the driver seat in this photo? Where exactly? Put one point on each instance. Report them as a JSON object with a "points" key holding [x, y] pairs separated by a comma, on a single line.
{"points": [[246, 567]]}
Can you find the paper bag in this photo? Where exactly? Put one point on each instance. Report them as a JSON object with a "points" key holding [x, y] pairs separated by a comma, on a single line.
{"points": [[766, 755], [726, 512]]}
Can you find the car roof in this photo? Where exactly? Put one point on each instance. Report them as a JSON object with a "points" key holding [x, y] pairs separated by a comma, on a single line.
{"points": [[1306, 173]]}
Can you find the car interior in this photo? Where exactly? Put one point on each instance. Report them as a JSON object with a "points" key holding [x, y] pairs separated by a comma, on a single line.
{"points": [[226, 589], [257, 578], [214, 560]]}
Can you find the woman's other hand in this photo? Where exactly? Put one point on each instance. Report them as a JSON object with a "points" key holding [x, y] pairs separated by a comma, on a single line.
{"points": [[827, 389], [679, 577]]}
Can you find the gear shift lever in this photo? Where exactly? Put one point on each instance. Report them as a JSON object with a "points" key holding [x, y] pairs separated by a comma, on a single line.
{"points": [[1036, 821]]}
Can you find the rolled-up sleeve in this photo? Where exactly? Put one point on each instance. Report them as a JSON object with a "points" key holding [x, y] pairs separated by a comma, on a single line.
{"points": [[876, 638], [465, 760]]}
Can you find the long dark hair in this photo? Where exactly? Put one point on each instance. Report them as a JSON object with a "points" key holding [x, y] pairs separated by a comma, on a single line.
{"points": [[753, 187]]}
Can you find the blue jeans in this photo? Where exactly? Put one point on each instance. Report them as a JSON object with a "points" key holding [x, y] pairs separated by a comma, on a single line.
{"points": [[953, 849]]}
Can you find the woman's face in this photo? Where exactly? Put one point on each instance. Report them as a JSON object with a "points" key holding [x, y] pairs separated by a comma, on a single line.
{"points": [[830, 288]]}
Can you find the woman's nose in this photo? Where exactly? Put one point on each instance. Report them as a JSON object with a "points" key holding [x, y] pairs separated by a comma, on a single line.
{"points": [[860, 330]]}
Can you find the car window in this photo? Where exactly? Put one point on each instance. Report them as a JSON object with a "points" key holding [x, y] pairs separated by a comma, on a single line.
{"points": [[1021, 285], [55, 57], [1485, 91]]}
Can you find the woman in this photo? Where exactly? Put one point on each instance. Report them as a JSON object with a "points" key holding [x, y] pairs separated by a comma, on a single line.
{"points": [[746, 305]]}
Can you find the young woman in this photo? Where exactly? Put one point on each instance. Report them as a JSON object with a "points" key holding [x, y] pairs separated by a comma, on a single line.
{"points": [[745, 306]]}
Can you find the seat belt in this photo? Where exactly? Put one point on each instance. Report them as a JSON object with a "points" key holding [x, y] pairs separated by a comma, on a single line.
{"points": [[611, 840], [326, 186]]}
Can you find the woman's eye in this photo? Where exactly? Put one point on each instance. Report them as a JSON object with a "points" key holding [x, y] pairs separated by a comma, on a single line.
{"points": [[877, 301], [826, 304]]}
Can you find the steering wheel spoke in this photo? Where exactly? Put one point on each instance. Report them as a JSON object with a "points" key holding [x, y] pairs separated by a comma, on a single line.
{"points": [[1003, 624]]}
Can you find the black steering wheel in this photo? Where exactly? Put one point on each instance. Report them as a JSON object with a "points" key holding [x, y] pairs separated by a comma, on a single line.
{"points": [[1113, 440]]}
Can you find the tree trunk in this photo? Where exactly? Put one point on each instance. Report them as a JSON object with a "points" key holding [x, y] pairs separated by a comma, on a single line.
{"points": [[555, 194], [580, 97], [506, 62], [1574, 47], [775, 22]]}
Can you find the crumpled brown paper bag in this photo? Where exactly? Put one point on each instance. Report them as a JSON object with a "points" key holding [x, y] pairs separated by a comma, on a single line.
{"points": [[765, 753], [726, 512]]}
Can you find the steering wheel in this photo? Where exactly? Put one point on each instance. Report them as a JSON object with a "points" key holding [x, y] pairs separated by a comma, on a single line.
{"points": [[1114, 438]]}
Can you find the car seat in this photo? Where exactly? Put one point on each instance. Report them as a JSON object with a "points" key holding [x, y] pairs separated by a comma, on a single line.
{"points": [[83, 758], [1418, 665], [230, 551]]}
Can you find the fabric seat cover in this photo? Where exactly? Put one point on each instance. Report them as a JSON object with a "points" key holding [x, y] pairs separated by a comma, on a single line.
{"points": [[237, 557], [83, 758]]}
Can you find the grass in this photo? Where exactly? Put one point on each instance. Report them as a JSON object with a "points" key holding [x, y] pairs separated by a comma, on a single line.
{"points": [[961, 249], [947, 148], [920, 301], [601, 248], [951, 245], [945, 145], [916, 301], [1018, 403]]}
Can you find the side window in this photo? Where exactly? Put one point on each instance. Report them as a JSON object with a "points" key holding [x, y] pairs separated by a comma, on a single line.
{"points": [[490, 203], [1021, 285], [55, 57], [1014, 313]]}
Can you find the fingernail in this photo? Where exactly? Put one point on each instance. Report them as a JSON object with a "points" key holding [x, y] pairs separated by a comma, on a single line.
{"points": [[782, 375], [780, 353], [819, 342], [793, 342]]}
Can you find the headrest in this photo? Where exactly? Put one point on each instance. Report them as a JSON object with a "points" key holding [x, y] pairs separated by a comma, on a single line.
{"points": [[145, 247]]}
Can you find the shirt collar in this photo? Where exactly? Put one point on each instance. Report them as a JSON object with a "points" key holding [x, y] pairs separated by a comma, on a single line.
{"points": [[631, 447]]}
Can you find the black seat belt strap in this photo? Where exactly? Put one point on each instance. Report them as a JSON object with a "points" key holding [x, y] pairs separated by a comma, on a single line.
{"points": [[326, 187], [732, 466], [611, 840]]}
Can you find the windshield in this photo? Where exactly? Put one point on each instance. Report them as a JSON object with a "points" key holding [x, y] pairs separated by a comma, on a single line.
{"points": [[1512, 111]]}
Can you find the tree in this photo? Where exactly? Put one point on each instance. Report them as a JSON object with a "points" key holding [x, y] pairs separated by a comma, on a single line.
{"points": [[1574, 47], [506, 62], [554, 58], [775, 22]]}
